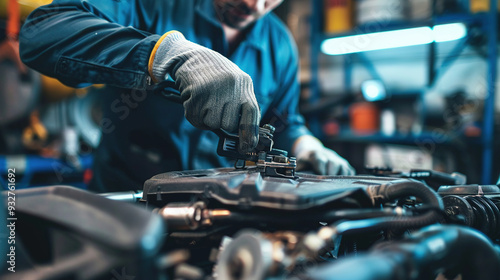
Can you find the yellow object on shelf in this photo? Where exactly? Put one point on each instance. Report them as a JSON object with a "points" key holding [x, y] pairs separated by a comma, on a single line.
{"points": [[35, 135], [26, 6], [477, 6], [338, 15]]}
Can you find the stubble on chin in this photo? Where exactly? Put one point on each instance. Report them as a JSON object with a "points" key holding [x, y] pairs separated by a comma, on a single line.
{"points": [[222, 10]]}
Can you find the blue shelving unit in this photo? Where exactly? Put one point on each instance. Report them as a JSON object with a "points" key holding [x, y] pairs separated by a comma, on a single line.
{"points": [[490, 25], [487, 21], [29, 165]]}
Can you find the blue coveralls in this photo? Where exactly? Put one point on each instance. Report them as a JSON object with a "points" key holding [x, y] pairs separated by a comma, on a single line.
{"points": [[110, 41]]}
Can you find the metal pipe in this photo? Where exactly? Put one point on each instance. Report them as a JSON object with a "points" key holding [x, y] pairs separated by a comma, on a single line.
{"points": [[130, 196]]}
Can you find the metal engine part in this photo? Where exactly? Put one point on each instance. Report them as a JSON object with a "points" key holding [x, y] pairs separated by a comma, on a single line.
{"points": [[298, 219], [240, 224], [249, 256], [476, 206], [249, 188], [269, 161]]}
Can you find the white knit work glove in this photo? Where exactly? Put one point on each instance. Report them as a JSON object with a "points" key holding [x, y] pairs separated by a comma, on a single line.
{"points": [[216, 94], [311, 154]]}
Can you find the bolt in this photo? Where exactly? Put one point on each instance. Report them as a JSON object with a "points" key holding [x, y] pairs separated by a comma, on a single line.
{"points": [[280, 159], [450, 211], [270, 128]]}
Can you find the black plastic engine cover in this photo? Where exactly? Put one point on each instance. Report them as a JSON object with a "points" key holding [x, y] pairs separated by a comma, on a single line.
{"points": [[247, 188]]}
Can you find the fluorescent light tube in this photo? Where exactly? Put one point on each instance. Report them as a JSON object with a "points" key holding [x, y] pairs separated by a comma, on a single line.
{"points": [[449, 32], [393, 39]]}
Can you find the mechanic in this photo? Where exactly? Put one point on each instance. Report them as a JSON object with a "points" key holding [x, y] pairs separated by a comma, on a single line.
{"points": [[232, 61]]}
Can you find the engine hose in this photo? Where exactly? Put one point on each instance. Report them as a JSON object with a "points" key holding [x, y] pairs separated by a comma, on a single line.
{"points": [[292, 218], [390, 192], [393, 223], [405, 188], [452, 249]]}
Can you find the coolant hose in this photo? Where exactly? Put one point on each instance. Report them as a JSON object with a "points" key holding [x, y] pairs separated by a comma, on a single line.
{"points": [[392, 223], [405, 188], [390, 192]]}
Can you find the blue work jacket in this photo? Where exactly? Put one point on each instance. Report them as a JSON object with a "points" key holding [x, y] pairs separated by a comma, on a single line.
{"points": [[83, 42]]}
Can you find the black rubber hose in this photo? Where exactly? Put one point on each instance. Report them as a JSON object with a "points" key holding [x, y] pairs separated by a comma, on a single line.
{"points": [[405, 188], [395, 223], [390, 192], [435, 249], [292, 218], [476, 255]]}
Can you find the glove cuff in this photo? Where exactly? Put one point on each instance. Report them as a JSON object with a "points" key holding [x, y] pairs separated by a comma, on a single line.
{"points": [[306, 143], [155, 69]]}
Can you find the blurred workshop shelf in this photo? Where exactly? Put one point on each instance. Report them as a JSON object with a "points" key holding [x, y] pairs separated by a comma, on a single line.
{"points": [[485, 22], [399, 138]]}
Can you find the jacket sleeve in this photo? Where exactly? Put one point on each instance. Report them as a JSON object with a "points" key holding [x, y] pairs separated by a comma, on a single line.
{"points": [[283, 112], [83, 42]]}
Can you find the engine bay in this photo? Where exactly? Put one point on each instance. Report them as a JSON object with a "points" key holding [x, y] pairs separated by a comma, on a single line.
{"points": [[263, 220], [273, 226]]}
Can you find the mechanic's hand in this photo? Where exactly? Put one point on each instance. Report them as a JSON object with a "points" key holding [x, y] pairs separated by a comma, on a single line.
{"points": [[311, 153], [214, 91]]}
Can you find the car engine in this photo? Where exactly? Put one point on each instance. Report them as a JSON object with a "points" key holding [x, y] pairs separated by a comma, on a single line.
{"points": [[264, 220]]}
